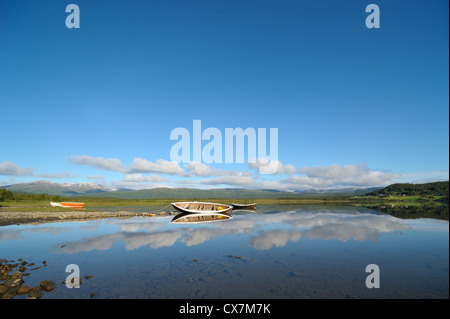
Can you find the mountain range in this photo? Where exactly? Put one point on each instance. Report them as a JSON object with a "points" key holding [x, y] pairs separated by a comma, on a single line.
{"points": [[94, 190], [62, 189]]}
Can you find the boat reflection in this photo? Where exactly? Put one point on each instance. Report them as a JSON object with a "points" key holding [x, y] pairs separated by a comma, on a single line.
{"points": [[195, 218], [243, 210]]}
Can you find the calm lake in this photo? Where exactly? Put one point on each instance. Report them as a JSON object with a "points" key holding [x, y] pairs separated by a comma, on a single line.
{"points": [[289, 252]]}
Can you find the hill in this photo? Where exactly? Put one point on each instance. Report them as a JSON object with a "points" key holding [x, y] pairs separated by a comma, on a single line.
{"points": [[60, 189], [429, 189], [93, 190], [437, 189]]}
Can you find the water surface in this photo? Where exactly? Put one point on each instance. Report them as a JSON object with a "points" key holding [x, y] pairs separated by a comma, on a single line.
{"points": [[295, 252]]}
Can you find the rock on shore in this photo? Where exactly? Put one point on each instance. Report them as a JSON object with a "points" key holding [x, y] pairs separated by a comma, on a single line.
{"points": [[11, 218], [12, 280]]}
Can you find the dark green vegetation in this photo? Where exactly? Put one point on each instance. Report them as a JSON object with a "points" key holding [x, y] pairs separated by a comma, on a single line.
{"points": [[411, 212], [430, 200], [440, 189], [7, 195]]}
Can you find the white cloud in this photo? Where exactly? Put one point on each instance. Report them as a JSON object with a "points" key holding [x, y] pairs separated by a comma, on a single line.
{"points": [[109, 164], [140, 178], [320, 177], [357, 175], [341, 176], [137, 185], [11, 169], [300, 178], [335, 171], [203, 170], [141, 165], [237, 180], [260, 163], [200, 169]]}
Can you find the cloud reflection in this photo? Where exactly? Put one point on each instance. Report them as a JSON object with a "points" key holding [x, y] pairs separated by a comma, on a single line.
{"points": [[131, 240], [278, 238], [13, 233], [359, 227], [265, 231]]}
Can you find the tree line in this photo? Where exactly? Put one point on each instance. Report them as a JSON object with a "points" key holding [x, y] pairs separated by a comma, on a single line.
{"points": [[7, 195], [428, 189]]}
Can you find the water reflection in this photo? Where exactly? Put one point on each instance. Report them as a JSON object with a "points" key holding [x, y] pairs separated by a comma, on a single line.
{"points": [[265, 230], [194, 218], [132, 241], [18, 233], [300, 252], [420, 211]]}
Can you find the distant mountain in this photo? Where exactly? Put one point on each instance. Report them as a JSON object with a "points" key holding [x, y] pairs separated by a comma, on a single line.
{"points": [[189, 193], [61, 189], [338, 191], [193, 194], [94, 190]]}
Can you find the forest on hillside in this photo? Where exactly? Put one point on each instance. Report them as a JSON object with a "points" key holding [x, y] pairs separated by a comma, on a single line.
{"points": [[440, 189]]}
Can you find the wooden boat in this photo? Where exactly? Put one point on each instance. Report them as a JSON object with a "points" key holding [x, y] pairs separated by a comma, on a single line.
{"points": [[201, 207], [67, 204], [244, 206], [192, 218]]}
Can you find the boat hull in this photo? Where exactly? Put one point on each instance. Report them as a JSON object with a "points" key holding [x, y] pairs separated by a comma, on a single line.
{"points": [[244, 206], [195, 218], [201, 207], [67, 204]]}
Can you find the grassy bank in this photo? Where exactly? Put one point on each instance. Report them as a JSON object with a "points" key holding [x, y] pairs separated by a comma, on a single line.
{"points": [[91, 203]]}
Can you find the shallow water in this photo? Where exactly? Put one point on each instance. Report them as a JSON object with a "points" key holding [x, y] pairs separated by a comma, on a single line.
{"points": [[300, 252]]}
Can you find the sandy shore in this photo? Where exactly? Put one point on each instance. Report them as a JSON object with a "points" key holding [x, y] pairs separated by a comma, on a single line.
{"points": [[12, 218]]}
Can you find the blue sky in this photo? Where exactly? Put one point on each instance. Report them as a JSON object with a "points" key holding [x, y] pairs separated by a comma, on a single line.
{"points": [[353, 106]]}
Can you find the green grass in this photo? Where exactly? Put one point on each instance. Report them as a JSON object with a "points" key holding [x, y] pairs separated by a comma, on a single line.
{"points": [[91, 203], [31, 206]]}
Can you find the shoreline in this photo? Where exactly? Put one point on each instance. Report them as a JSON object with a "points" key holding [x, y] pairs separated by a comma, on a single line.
{"points": [[18, 218]]}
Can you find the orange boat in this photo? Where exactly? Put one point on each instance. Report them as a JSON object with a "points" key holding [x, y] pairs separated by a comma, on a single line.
{"points": [[67, 204]]}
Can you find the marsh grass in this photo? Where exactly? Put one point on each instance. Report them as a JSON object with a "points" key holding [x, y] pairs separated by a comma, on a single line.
{"points": [[91, 203]]}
